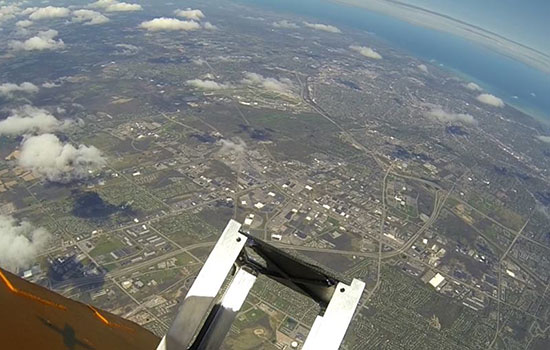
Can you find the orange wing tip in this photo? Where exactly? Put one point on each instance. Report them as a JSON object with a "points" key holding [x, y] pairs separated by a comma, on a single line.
{"points": [[16, 291], [106, 321], [97, 314]]}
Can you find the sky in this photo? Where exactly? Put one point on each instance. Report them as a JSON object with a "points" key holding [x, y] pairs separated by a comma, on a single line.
{"points": [[525, 21], [515, 28], [500, 60]]}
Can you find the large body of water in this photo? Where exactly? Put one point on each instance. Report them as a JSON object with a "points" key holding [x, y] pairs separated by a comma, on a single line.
{"points": [[515, 82]]}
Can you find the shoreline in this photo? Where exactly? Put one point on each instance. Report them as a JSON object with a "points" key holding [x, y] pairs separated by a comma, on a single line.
{"points": [[537, 115], [502, 69]]}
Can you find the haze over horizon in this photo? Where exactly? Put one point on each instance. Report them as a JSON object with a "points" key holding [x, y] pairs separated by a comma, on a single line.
{"points": [[513, 28]]}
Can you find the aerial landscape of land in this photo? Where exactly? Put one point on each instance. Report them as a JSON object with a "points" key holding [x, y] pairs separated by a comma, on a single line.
{"points": [[129, 143]]}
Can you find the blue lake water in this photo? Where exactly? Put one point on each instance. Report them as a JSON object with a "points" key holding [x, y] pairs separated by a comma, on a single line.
{"points": [[515, 82]]}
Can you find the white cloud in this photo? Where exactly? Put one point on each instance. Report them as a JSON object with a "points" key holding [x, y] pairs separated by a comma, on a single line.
{"points": [[44, 40], [20, 242], [28, 11], [195, 15], [473, 87], [30, 119], [209, 26], [207, 84], [46, 156], [103, 3], [123, 7], [490, 100], [115, 6], [545, 139], [366, 51], [443, 116], [423, 68], [49, 85], [169, 24], [24, 23], [323, 27], [236, 147], [49, 12], [8, 12], [7, 89], [89, 17], [272, 84], [285, 24]]}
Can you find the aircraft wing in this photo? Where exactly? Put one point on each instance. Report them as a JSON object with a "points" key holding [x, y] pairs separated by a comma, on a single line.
{"points": [[32, 317]]}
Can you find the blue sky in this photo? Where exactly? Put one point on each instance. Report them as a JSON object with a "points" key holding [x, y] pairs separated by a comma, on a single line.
{"points": [[515, 28], [525, 21]]}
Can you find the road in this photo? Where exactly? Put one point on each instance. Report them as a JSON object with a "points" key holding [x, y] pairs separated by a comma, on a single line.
{"points": [[70, 285]]}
